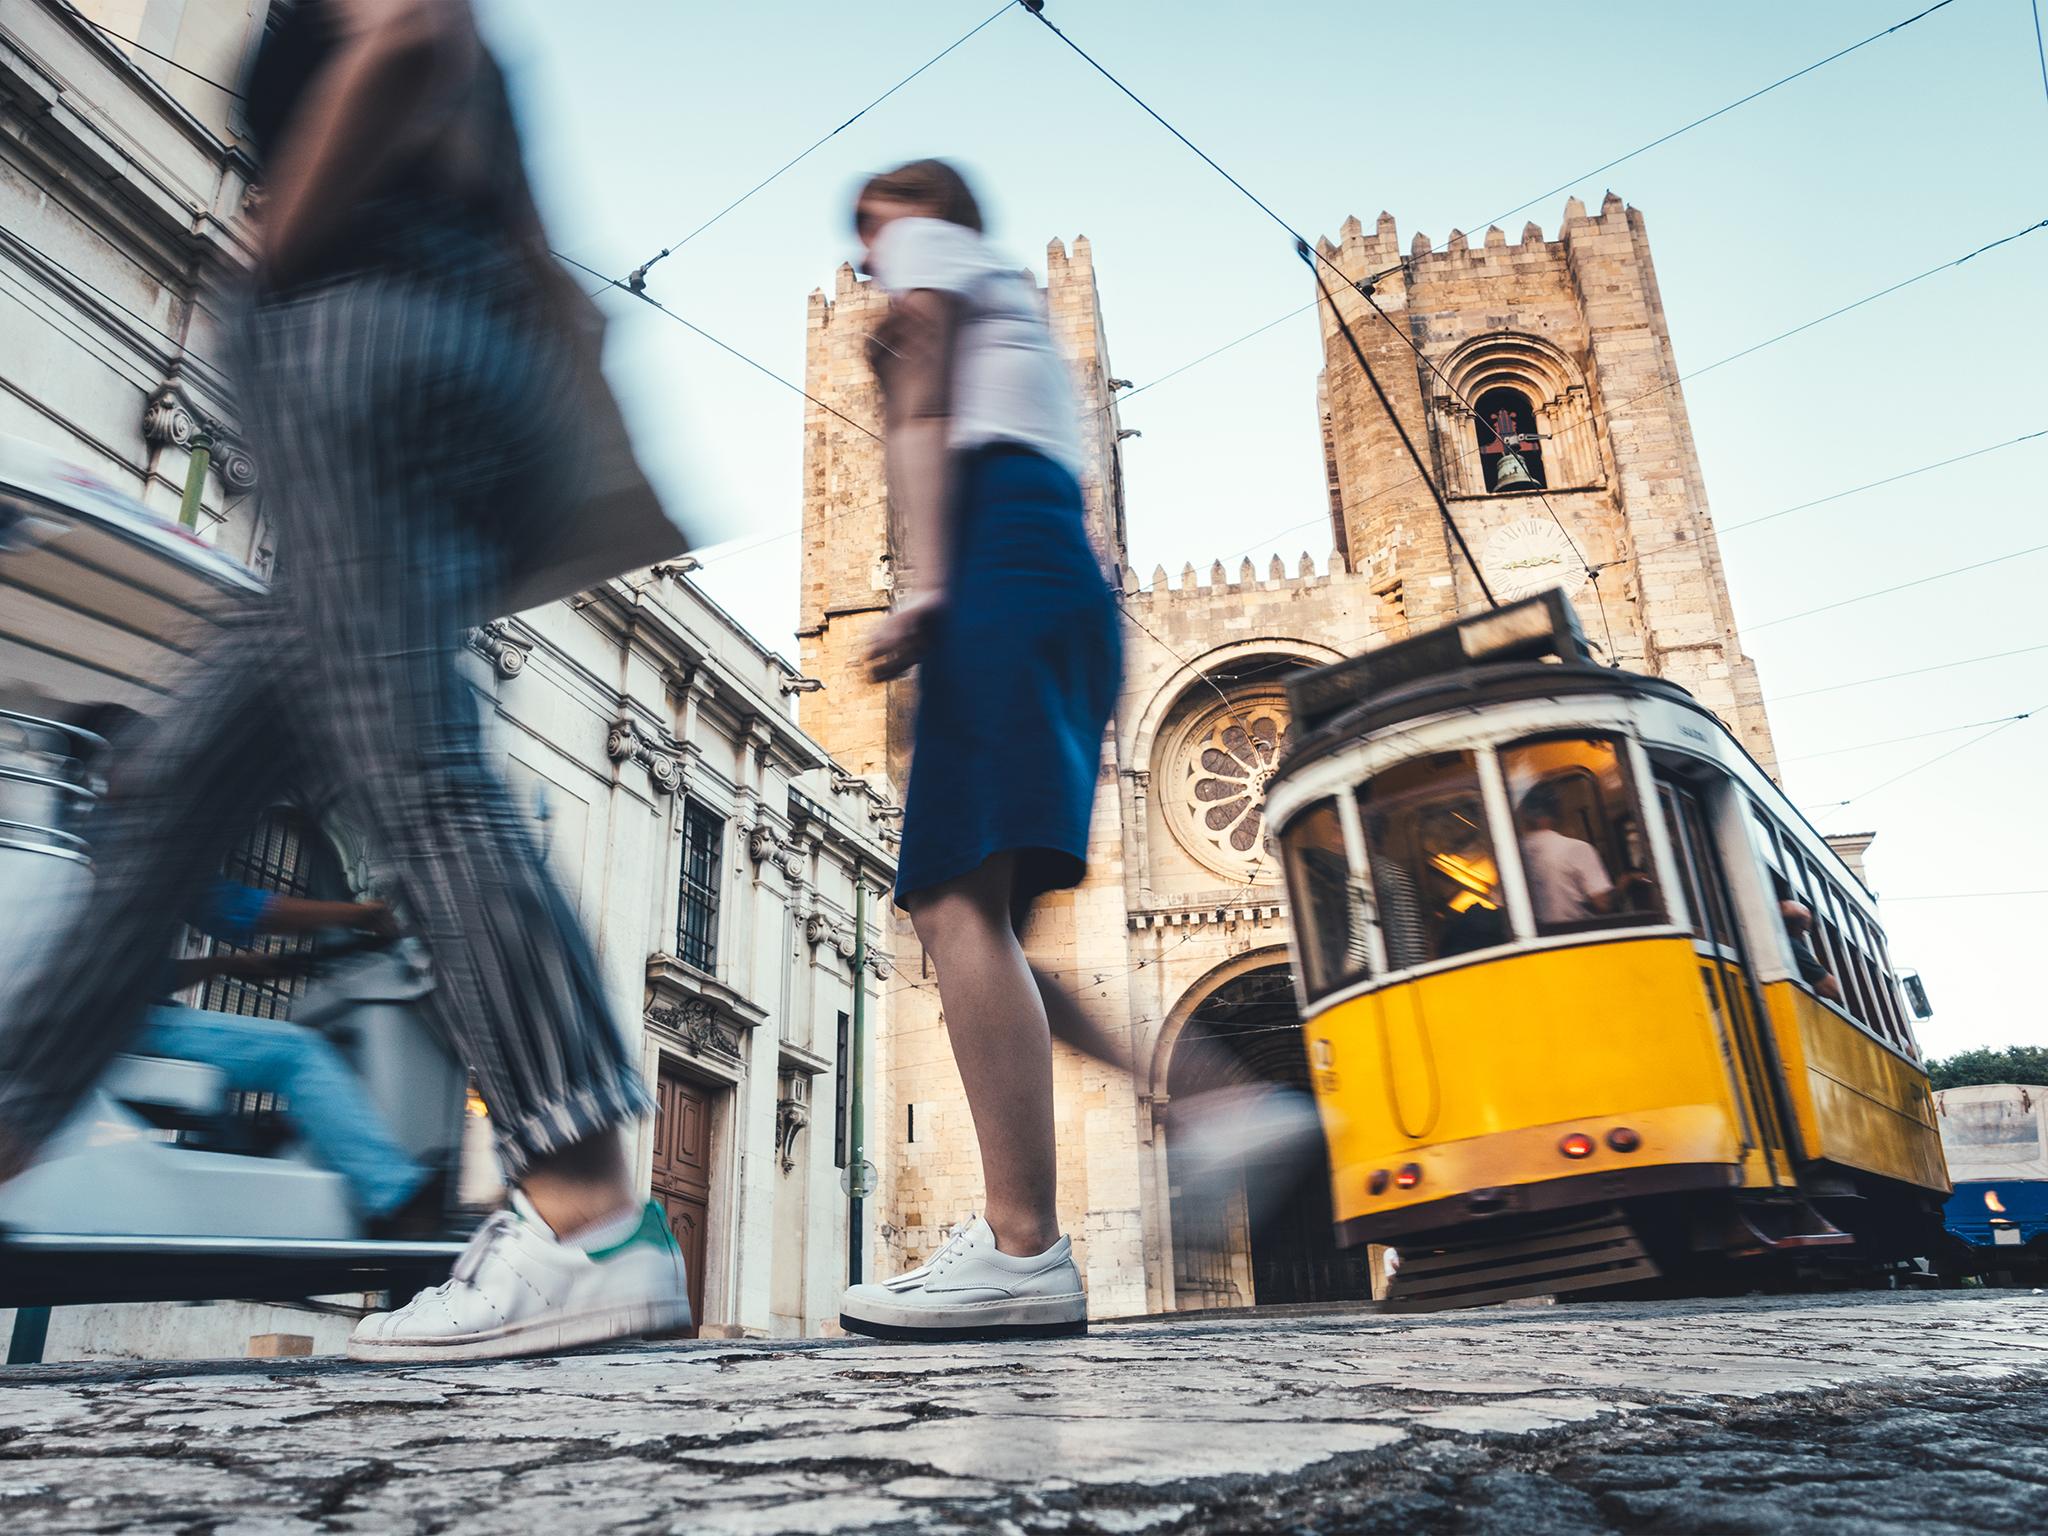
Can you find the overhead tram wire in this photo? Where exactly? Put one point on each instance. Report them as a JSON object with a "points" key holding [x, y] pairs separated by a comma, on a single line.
{"points": [[723, 346], [1309, 254], [186, 69], [1854, 490], [1443, 507], [2040, 51], [1321, 518], [1893, 741], [638, 277], [1698, 122], [1939, 757], [1312, 255], [1919, 581], [1892, 677], [1566, 186], [1684, 378]]}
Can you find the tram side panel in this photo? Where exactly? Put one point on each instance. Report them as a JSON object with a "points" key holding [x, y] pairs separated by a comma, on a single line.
{"points": [[1858, 1105], [1543, 1080]]}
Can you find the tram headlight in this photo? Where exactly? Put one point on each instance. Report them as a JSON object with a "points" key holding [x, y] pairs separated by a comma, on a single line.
{"points": [[1409, 1176], [1577, 1145], [1622, 1139]]}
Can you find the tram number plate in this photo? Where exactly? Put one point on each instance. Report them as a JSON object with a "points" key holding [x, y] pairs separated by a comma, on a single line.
{"points": [[2003, 1236]]}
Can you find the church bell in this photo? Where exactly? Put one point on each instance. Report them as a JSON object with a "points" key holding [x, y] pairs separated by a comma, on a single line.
{"points": [[1513, 474]]}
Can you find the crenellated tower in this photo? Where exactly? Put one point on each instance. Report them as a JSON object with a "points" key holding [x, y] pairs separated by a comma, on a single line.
{"points": [[1561, 345]]}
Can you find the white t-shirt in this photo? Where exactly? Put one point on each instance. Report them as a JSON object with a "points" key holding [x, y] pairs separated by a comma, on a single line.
{"points": [[1009, 385], [1566, 875]]}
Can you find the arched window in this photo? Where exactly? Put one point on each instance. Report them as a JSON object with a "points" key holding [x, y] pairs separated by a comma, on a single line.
{"points": [[1507, 423]]}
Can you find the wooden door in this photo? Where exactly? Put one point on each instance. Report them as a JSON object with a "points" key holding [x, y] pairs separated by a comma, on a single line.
{"points": [[682, 1171]]}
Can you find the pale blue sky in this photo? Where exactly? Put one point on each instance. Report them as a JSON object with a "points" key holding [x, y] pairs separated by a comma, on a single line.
{"points": [[646, 116]]}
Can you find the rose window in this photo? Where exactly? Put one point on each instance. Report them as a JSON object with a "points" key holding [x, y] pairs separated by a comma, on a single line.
{"points": [[1223, 763]]}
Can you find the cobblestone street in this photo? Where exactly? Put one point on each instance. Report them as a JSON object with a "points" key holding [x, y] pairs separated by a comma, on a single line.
{"points": [[1832, 1414]]}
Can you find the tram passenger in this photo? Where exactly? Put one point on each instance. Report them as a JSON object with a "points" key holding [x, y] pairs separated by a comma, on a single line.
{"points": [[1568, 880], [1011, 623], [1813, 970]]}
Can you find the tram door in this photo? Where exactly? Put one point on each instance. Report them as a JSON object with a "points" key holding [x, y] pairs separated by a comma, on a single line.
{"points": [[1731, 993]]}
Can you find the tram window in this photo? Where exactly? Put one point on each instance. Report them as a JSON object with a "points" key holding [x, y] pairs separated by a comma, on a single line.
{"points": [[1854, 983], [1581, 835], [1328, 913], [1434, 871]]}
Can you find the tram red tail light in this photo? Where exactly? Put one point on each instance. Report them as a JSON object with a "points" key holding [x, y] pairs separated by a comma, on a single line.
{"points": [[1622, 1139], [1409, 1176], [1377, 1183], [1576, 1145]]}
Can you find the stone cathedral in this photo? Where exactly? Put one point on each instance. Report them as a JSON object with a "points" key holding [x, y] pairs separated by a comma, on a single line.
{"points": [[1178, 938]]}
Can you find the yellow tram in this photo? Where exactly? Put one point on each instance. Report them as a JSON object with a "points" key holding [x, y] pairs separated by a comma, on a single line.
{"points": [[1585, 999]]}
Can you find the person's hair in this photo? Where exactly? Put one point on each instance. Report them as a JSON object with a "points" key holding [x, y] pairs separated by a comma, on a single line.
{"points": [[1543, 804], [932, 185]]}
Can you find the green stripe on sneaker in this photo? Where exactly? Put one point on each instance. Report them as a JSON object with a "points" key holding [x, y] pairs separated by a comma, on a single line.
{"points": [[653, 1229]]}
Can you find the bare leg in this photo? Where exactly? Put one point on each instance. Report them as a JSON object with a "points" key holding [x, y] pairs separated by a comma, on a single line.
{"points": [[1002, 1044], [580, 1185]]}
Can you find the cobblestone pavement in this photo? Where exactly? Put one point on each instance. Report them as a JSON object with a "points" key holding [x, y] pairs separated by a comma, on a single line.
{"points": [[1829, 1414]]}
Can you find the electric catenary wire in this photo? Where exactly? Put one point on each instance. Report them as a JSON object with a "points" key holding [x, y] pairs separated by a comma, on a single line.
{"points": [[1698, 122], [1311, 256], [1939, 757], [165, 58], [637, 279], [723, 346], [1864, 597], [1748, 351], [1893, 741], [1892, 677], [1532, 202]]}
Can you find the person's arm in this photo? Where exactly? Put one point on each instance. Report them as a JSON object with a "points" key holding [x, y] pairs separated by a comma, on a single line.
{"points": [[298, 914], [917, 388], [391, 87]]}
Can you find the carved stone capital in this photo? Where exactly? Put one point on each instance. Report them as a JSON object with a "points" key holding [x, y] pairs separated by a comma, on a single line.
{"points": [[623, 743], [490, 641], [171, 420]]}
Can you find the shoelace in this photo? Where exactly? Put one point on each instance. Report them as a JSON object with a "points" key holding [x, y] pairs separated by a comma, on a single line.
{"points": [[953, 1247]]}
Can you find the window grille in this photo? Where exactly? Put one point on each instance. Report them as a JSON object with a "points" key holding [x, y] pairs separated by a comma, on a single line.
{"points": [[275, 856], [697, 924]]}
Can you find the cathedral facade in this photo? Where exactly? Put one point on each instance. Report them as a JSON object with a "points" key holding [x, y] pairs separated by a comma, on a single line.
{"points": [[1177, 940]]}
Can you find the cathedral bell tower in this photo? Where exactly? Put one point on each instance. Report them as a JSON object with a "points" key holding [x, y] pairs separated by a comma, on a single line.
{"points": [[1558, 349]]}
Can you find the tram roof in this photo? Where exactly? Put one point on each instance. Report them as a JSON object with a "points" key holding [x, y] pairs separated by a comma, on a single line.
{"points": [[1526, 650]]}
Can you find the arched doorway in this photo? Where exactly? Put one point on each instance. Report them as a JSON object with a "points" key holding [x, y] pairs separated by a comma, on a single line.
{"points": [[1252, 1227]]}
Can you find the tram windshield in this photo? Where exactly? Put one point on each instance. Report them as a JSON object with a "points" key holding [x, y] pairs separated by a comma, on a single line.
{"points": [[1434, 871], [1581, 837], [1329, 911]]}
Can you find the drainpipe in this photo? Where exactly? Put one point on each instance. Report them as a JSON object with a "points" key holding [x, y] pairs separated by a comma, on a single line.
{"points": [[856, 1162], [196, 462]]}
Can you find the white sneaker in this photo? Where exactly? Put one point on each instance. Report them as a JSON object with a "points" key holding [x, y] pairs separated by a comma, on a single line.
{"points": [[972, 1290], [517, 1290]]}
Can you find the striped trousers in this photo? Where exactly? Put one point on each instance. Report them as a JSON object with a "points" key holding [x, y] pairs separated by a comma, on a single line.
{"points": [[408, 419]]}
